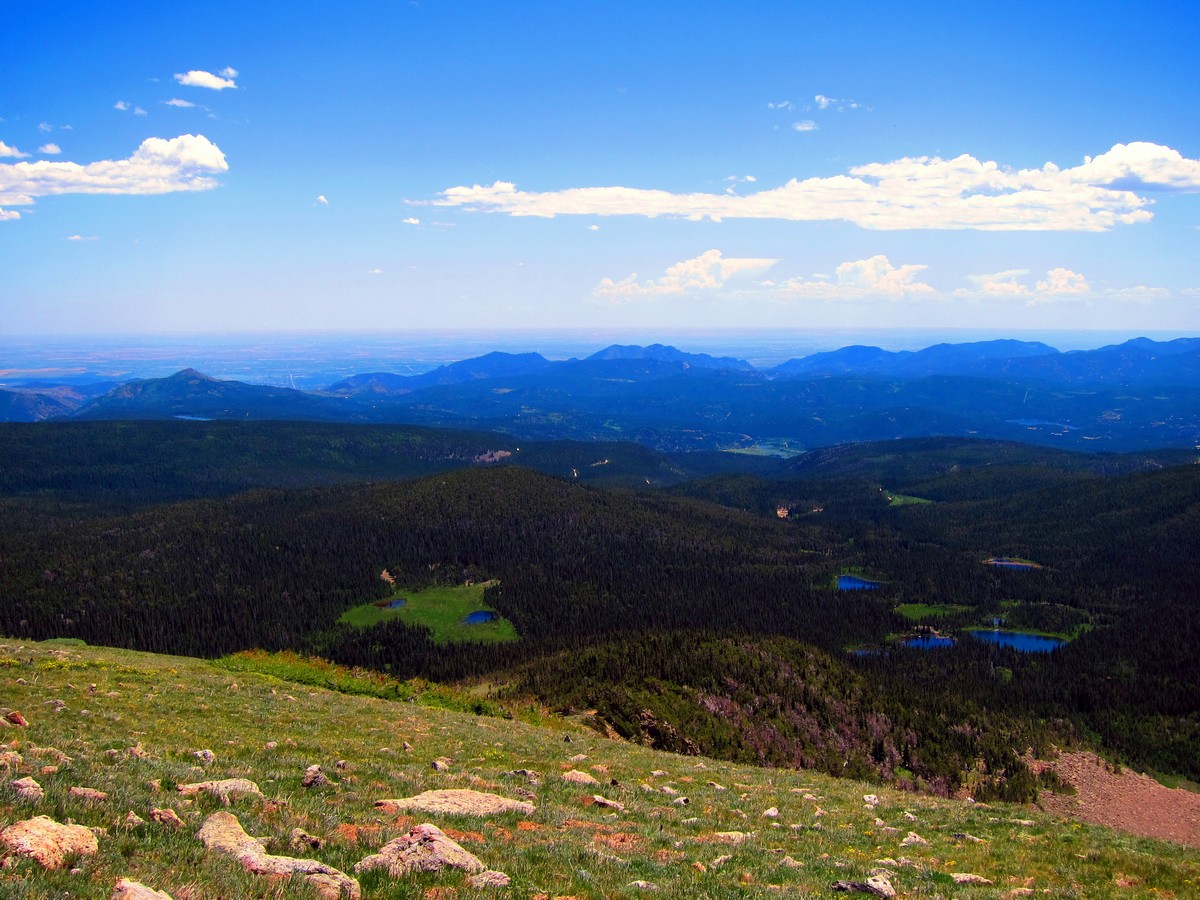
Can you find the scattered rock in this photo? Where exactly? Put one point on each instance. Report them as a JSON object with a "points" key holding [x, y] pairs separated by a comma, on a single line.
{"points": [[426, 848], [912, 839], [969, 878], [91, 794], [876, 886], [719, 861], [132, 820], [27, 788], [577, 777], [909, 817], [681, 801], [407, 747], [270, 745], [224, 790], [48, 842], [963, 836], [607, 804], [871, 800], [56, 705], [341, 765], [314, 777], [717, 787], [788, 863], [133, 890], [733, 837], [441, 764], [167, 817], [10, 759], [205, 756], [530, 776], [136, 751], [458, 803], [15, 718], [300, 839], [643, 885], [772, 813], [490, 878], [223, 833]]}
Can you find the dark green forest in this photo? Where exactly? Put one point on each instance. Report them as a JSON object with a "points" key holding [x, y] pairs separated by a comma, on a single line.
{"points": [[663, 596]]}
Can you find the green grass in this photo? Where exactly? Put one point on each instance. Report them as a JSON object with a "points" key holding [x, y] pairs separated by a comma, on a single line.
{"points": [[442, 610], [917, 612], [904, 500], [172, 706]]}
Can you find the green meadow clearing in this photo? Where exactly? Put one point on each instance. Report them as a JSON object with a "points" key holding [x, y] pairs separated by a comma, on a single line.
{"points": [[442, 609]]}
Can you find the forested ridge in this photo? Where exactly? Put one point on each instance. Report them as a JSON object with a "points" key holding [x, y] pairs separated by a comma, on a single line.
{"points": [[695, 618]]}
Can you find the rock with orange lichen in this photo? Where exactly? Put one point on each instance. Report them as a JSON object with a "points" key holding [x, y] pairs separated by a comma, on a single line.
{"points": [[48, 842]]}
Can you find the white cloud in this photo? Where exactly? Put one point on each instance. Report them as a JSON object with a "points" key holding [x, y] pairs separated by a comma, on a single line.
{"points": [[806, 125], [999, 283], [138, 111], [158, 166], [412, 221], [822, 101], [909, 193], [182, 104], [1141, 294], [8, 215], [200, 78], [50, 149], [80, 237], [593, 228], [11, 152], [1063, 281], [782, 104], [864, 278], [376, 271], [121, 105], [229, 72], [708, 271], [322, 200], [45, 127]]}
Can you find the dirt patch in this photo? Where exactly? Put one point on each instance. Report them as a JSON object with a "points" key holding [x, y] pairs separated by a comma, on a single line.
{"points": [[1123, 800]]}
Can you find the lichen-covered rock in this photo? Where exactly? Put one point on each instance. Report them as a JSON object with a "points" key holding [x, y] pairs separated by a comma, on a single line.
{"points": [[135, 890], [86, 793], [167, 817], [314, 777], [225, 789], [223, 833], [426, 848], [27, 788], [457, 803], [490, 878], [577, 777], [48, 842], [969, 878]]}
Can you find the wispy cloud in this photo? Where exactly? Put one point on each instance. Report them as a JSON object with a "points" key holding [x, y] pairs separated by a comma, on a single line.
{"points": [[80, 237], [158, 166], [824, 102], [182, 104], [805, 125], [910, 193], [706, 272], [200, 78], [322, 200]]}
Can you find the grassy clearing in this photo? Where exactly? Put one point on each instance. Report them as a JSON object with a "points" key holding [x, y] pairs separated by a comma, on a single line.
{"points": [[441, 609], [905, 500], [918, 612], [823, 830]]}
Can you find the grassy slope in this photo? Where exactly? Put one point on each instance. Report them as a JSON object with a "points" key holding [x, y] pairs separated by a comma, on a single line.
{"points": [[173, 706]]}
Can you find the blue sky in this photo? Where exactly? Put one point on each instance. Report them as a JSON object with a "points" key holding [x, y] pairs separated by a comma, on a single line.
{"points": [[224, 167]]}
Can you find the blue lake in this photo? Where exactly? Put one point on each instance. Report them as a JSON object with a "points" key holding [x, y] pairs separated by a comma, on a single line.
{"points": [[479, 617], [928, 641], [854, 583], [1026, 643], [396, 604]]}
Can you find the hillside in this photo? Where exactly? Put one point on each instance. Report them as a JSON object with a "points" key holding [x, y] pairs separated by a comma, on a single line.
{"points": [[135, 727]]}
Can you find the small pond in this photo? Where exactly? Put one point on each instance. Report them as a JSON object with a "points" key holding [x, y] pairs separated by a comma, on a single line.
{"points": [[928, 641], [854, 583], [1026, 643], [480, 616], [397, 603]]}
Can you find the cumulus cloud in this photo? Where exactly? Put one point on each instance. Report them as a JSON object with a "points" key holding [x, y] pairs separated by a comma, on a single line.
{"points": [[412, 221], [321, 199], [708, 271], [1003, 283], [121, 105], [202, 79], [910, 193], [1063, 281], [11, 152], [50, 149], [182, 104], [158, 166], [864, 278], [806, 125], [7, 215]]}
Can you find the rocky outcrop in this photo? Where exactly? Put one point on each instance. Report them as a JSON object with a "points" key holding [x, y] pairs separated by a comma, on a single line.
{"points": [[457, 803], [576, 777], [223, 833], [424, 849], [27, 788], [48, 842]]}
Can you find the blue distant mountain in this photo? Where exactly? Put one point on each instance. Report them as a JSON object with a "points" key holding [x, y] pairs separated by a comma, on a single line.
{"points": [[664, 353], [490, 365]]}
